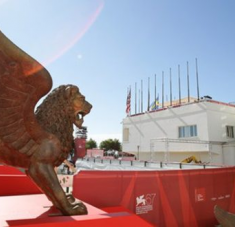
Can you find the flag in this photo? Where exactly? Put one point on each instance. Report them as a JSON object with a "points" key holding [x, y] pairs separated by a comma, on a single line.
{"points": [[155, 104], [128, 103]]}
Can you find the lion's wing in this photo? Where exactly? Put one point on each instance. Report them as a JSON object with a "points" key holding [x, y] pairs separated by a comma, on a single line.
{"points": [[23, 81]]}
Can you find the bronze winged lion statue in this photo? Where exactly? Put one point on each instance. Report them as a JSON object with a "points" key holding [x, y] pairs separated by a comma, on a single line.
{"points": [[37, 141]]}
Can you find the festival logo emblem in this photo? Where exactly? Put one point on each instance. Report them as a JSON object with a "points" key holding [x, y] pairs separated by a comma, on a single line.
{"points": [[144, 203], [200, 194]]}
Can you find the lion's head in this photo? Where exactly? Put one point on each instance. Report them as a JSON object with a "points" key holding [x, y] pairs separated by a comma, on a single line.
{"points": [[62, 108], [80, 106]]}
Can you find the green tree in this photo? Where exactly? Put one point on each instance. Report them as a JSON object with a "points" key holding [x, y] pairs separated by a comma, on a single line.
{"points": [[111, 144], [90, 144]]}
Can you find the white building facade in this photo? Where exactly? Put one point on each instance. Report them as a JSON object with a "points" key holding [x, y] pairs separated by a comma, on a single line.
{"points": [[204, 129]]}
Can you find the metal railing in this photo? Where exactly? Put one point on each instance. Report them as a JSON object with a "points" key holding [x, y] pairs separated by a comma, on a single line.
{"points": [[148, 165]]}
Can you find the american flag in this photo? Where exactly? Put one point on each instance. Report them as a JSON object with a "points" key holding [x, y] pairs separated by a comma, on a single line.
{"points": [[128, 103]]}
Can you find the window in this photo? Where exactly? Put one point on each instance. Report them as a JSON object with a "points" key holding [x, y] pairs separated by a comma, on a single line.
{"points": [[229, 131], [187, 131], [126, 135]]}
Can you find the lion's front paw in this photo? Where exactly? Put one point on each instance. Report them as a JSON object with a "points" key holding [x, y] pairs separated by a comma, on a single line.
{"points": [[81, 208], [70, 198], [74, 206], [77, 209]]}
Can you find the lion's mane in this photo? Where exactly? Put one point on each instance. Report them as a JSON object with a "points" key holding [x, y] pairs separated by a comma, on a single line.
{"points": [[55, 115]]}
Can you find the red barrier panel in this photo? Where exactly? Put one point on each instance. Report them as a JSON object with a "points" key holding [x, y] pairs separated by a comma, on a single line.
{"points": [[164, 198], [15, 182]]}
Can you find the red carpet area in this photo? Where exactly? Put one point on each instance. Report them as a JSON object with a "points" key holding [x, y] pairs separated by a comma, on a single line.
{"points": [[36, 210], [168, 198]]}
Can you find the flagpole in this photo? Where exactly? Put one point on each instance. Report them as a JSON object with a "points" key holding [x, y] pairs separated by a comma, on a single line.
{"points": [[130, 99], [188, 82], [170, 89], [135, 97], [148, 93], [162, 89], [198, 96], [139, 100], [141, 96], [155, 92], [179, 85]]}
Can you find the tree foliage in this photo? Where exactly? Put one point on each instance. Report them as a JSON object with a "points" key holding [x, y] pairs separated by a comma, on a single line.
{"points": [[90, 144], [111, 144]]}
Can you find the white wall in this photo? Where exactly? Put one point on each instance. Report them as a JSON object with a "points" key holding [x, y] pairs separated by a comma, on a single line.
{"points": [[163, 124], [211, 119], [229, 154], [218, 117]]}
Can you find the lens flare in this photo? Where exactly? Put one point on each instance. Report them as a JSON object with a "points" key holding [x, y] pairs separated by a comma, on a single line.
{"points": [[79, 35], [47, 29]]}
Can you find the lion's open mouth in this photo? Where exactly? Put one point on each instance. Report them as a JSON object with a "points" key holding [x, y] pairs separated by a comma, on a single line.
{"points": [[80, 115], [79, 118]]}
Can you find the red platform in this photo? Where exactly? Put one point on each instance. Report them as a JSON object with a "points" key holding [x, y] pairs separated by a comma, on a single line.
{"points": [[15, 182], [36, 210]]}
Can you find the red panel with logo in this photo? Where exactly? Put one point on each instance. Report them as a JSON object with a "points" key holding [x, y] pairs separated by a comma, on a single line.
{"points": [[164, 198]]}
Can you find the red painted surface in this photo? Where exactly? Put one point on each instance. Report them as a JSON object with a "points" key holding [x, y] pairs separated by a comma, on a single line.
{"points": [[80, 148], [15, 182], [164, 198], [22, 210], [36, 210], [10, 170], [115, 209], [108, 221]]}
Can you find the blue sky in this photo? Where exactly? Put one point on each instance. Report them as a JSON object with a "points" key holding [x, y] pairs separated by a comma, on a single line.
{"points": [[104, 46]]}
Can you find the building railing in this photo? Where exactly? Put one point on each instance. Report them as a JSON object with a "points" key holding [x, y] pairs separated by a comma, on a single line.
{"points": [[96, 163]]}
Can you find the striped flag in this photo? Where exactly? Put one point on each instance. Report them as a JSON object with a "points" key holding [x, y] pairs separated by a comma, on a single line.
{"points": [[155, 104], [128, 103]]}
